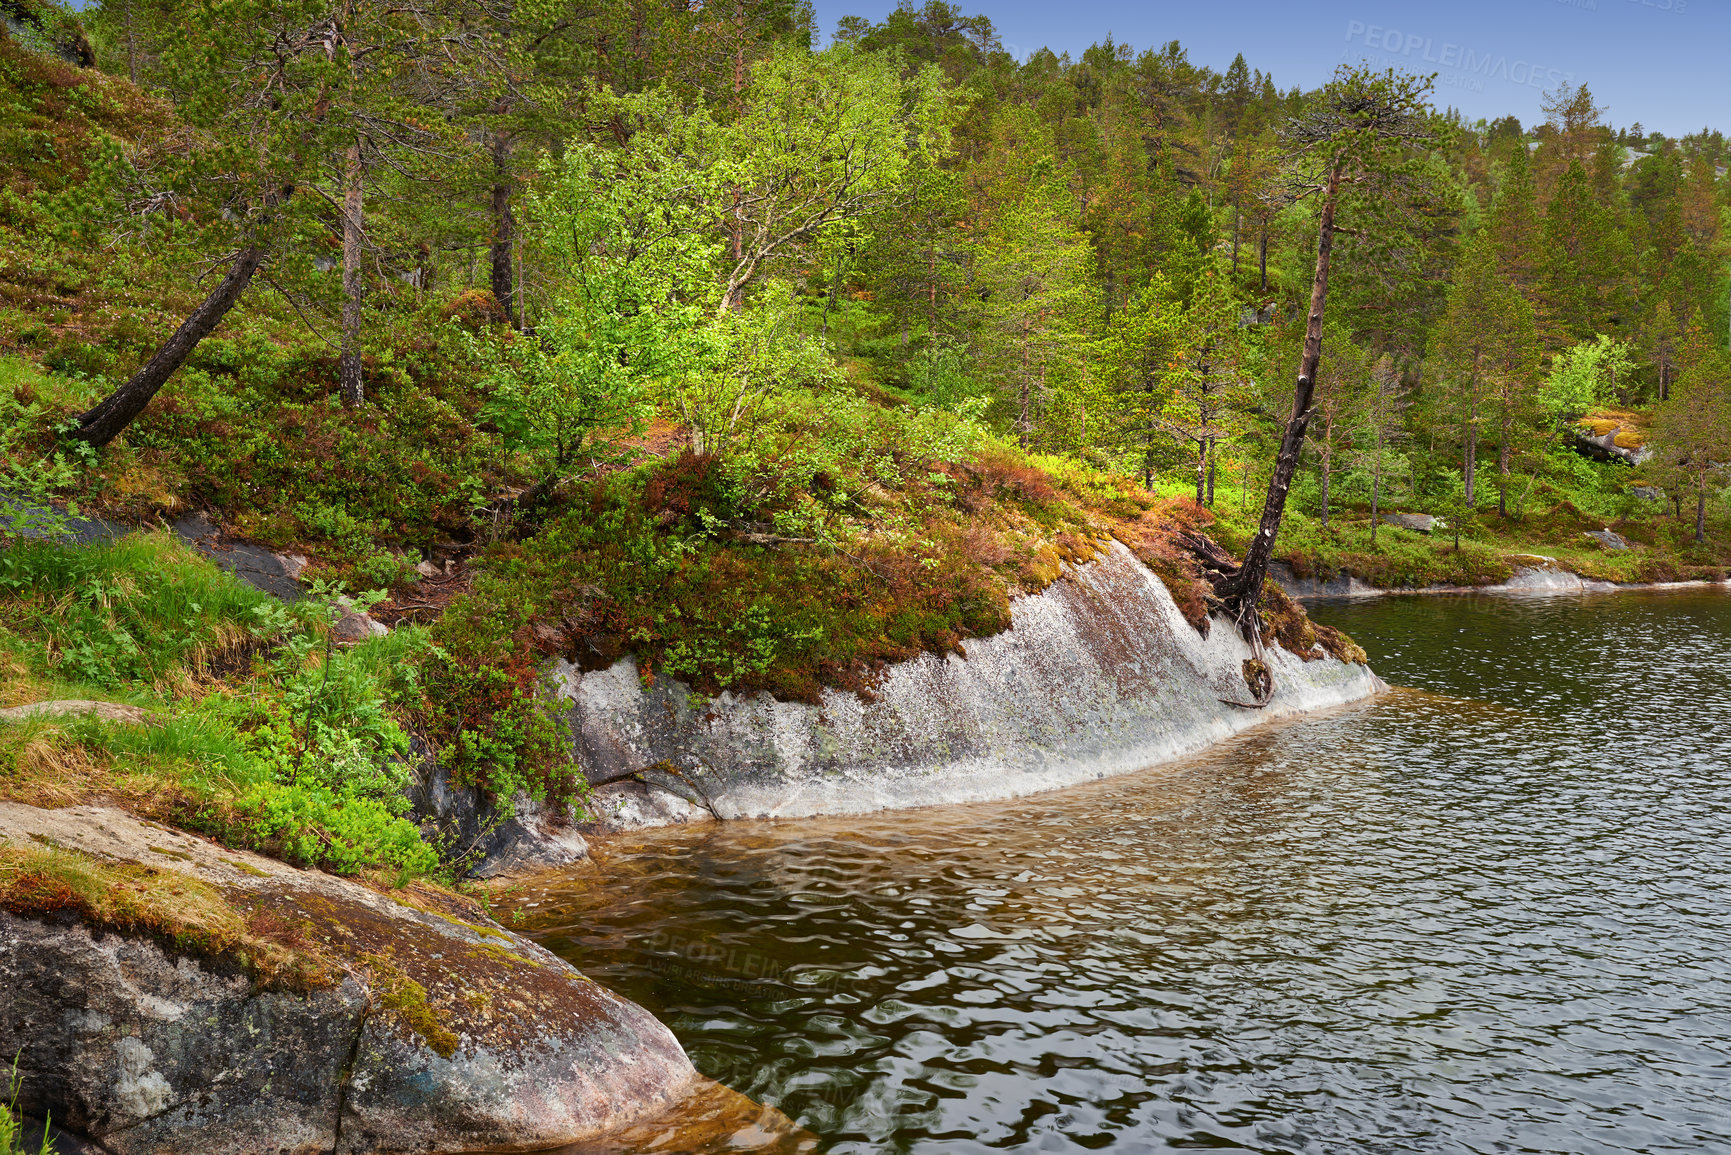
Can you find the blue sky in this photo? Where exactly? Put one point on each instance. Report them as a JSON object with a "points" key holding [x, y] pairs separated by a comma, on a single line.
{"points": [[1662, 63]]}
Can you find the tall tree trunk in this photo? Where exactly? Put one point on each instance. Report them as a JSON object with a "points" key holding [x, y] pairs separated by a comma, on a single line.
{"points": [[354, 389], [1701, 511], [504, 226], [1212, 462], [1201, 468], [1470, 461], [115, 412], [1376, 479], [1503, 475], [1243, 591], [1327, 463], [1262, 257]]}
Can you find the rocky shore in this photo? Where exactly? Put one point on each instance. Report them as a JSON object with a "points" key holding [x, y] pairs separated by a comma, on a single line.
{"points": [[1538, 574], [1099, 674]]}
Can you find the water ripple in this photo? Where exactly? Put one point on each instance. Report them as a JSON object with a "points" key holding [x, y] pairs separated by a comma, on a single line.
{"points": [[1489, 912]]}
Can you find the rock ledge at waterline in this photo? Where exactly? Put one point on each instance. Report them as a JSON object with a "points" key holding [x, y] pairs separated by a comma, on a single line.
{"points": [[1098, 675]]}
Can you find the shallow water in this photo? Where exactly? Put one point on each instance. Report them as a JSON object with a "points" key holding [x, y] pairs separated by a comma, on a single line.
{"points": [[1489, 911]]}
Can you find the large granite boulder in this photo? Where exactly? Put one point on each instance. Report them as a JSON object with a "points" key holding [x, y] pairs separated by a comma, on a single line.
{"points": [[329, 1018]]}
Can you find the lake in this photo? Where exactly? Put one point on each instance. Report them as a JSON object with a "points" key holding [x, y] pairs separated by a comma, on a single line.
{"points": [[1489, 911]]}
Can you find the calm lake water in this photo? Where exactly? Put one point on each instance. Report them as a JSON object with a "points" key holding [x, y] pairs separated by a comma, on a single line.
{"points": [[1488, 912]]}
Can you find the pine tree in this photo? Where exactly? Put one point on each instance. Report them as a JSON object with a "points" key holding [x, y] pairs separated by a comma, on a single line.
{"points": [[1209, 386], [1342, 394], [1035, 279], [1485, 362], [1588, 260], [1517, 232], [1141, 356], [1692, 430]]}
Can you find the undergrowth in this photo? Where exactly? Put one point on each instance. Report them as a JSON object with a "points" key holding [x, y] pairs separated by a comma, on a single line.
{"points": [[265, 736]]}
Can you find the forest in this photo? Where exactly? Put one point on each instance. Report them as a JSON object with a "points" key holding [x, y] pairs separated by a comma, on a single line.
{"points": [[769, 354]]}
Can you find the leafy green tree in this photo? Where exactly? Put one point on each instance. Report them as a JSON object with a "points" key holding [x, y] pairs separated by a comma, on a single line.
{"points": [[1586, 374], [754, 356], [823, 141], [628, 316]]}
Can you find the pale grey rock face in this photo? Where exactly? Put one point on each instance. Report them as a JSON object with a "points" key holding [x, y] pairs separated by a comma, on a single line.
{"points": [[1098, 675], [1611, 541], [1341, 585], [1544, 579], [1417, 522], [156, 1051]]}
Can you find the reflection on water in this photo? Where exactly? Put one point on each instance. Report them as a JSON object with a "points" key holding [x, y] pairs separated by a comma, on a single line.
{"points": [[1490, 912]]}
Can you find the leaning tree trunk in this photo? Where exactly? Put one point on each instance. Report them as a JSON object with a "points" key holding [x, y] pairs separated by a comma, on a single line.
{"points": [[354, 389], [115, 412], [1243, 591]]}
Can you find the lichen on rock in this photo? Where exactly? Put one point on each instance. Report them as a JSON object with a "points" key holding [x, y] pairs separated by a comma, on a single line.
{"points": [[195, 1000]]}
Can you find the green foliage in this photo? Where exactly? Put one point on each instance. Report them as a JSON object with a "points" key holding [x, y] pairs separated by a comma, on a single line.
{"points": [[757, 357], [140, 609], [309, 763], [1585, 375], [625, 228], [12, 1125]]}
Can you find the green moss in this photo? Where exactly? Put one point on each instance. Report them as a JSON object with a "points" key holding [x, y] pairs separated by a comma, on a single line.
{"points": [[180, 909], [408, 998]]}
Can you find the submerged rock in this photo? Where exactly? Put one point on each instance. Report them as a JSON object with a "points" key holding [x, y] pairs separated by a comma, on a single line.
{"points": [[1099, 674], [380, 1026]]}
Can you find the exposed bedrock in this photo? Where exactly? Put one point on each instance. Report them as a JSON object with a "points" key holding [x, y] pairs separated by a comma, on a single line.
{"points": [[1098, 675], [414, 1025]]}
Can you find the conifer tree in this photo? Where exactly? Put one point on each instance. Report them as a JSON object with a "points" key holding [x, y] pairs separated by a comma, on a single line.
{"points": [[1517, 231], [1692, 430], [1485, 361], [1588, 260], [1037, 298], [1366, 131]]}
